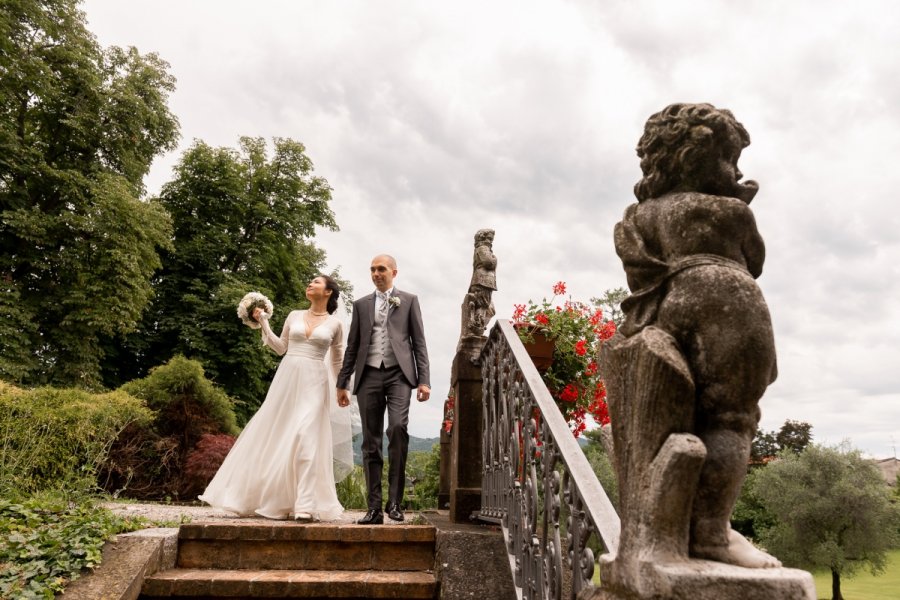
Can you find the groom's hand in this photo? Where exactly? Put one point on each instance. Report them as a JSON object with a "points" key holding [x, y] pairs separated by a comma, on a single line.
{"points": [[343, 397], [423, 393]]}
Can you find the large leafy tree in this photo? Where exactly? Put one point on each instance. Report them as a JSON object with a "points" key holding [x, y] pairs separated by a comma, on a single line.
{"points": [[793, 435], [829, 508], [243, 221], [79, 128]]}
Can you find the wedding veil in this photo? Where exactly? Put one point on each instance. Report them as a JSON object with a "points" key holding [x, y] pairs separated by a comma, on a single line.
{"points": [[345, 421]]}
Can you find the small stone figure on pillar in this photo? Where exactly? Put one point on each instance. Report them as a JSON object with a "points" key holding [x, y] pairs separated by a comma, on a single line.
{"points": [[687, 369], [478, 307], [466, 385]]}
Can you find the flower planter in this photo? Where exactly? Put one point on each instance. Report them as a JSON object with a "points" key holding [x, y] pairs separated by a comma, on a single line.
{"points": [[567, 364], [540, 349]]}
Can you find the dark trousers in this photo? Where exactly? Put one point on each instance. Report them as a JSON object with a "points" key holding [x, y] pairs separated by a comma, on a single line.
{"points": [[381, 389]]}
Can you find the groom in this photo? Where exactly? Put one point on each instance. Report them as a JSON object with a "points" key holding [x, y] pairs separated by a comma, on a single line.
{"points": [[386, 351]]}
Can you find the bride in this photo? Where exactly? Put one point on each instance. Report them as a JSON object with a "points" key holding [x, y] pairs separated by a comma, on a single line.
{"points": [[284, 462]]}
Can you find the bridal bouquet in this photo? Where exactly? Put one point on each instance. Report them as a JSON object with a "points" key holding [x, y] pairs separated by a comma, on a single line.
{"points": [[250, 303]]}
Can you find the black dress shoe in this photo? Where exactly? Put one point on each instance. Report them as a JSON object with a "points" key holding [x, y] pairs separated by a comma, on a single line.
{"points": [[394, 512], [373, 517]]}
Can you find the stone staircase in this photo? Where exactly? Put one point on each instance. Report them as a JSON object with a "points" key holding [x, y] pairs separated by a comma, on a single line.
{"points": [[299, 560]]}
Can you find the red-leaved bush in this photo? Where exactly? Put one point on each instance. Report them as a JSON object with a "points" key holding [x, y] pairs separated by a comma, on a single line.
{"points": [[204, 460], [148, 461]]}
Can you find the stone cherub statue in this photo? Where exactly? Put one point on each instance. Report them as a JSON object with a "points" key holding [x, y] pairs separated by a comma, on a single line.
{"points": [[478, 307], [694, 355]]}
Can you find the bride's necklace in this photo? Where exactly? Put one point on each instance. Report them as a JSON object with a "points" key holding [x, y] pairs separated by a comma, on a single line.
{"points": [[311, 324]]}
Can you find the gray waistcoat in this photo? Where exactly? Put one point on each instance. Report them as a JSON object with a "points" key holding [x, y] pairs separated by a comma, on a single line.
{"points": [[380, 346]]}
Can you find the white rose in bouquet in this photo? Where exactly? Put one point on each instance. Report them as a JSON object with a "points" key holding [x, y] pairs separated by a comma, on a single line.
{"points": [[250, 303]]}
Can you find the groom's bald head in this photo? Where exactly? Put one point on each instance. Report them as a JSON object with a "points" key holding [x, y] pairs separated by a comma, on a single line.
{"points": [[383, 271], [390, 260]]}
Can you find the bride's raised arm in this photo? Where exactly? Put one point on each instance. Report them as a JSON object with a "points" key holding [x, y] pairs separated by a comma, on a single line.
{"points": [[277, 344]]}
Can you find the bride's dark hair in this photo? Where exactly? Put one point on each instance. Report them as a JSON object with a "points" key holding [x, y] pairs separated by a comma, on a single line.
{"points": [[331, 284]]}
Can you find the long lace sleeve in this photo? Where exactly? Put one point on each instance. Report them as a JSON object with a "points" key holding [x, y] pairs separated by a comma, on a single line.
{"points": [[337, 350], [277, 344]]}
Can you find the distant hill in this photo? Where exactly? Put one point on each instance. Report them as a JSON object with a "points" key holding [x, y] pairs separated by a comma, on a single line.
{"points": [[416, 444]]}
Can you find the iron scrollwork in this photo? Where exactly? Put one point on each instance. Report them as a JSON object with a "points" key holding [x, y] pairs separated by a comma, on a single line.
{"points": [[537, 483]]}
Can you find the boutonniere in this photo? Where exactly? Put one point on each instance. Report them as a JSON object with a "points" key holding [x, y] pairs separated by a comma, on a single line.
{"points": [[394, 301]]}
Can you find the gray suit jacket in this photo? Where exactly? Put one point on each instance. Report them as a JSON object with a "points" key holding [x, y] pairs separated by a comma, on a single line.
{"points": [[405, 332]]}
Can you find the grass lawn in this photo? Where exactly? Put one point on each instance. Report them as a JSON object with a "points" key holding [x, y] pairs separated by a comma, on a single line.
{"points": [[863, 586]]}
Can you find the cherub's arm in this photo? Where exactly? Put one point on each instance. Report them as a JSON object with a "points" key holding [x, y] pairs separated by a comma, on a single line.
{"points": [[753, 247]]}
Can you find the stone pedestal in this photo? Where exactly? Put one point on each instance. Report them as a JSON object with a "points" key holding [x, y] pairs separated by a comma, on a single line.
{"points": [[471, 561], [466, 441], [707, 580], [651, 399]]}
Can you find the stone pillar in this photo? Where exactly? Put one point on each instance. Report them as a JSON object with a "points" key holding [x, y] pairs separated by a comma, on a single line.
{"points": [[465, 383], [444, 486], [465, 446]]}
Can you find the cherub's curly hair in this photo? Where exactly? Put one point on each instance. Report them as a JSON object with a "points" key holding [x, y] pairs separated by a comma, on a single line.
{"points": [[677, 140]]}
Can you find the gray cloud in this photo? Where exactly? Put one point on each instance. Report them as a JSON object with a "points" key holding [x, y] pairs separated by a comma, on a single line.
{"points": [[431, 121]]}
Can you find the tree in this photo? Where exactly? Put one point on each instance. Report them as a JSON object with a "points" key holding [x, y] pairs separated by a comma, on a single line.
{"points": [[749, 516], [601, 464], [611, 302], [764, 447], [423, 472], [242, 222], [793, 435], [830, 508], [79, 128]]}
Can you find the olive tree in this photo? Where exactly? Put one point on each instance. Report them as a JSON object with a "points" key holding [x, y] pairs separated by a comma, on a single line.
{"points": [[829, 508]]}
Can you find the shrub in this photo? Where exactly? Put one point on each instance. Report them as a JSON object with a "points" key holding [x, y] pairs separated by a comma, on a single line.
{"points": [[601, 464], [204, 460], [423, 474], [352, 491], [187, 404], [54, 438], [148, 461]]}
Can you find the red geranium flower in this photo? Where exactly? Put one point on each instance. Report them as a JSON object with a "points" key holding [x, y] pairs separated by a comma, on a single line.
{"points": [[569, 393], [578, 329], [581, 347], [607, 330], [518, 313]]}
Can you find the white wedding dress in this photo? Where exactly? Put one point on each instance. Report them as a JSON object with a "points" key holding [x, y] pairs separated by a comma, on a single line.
{"points": [[283, 462]]}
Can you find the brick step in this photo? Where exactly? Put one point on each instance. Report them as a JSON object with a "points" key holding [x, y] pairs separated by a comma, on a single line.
{"points": [[303, 546], [200, 584]]}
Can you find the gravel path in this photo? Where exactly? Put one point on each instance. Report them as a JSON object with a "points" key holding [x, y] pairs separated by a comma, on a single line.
{"points": [[170, 514]]}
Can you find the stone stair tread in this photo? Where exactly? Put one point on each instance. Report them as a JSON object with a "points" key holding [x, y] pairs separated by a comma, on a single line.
{"points": [[291, 531], [289, 584]]}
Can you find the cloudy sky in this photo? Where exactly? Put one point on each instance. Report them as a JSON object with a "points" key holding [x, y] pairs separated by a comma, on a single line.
{"points": [[433, 120]]}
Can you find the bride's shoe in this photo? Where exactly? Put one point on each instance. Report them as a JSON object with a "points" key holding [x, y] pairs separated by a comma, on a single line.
{"points": [[303, 516]]}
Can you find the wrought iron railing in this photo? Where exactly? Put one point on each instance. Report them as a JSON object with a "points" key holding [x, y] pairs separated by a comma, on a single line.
{"points": [[537, 482]]}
